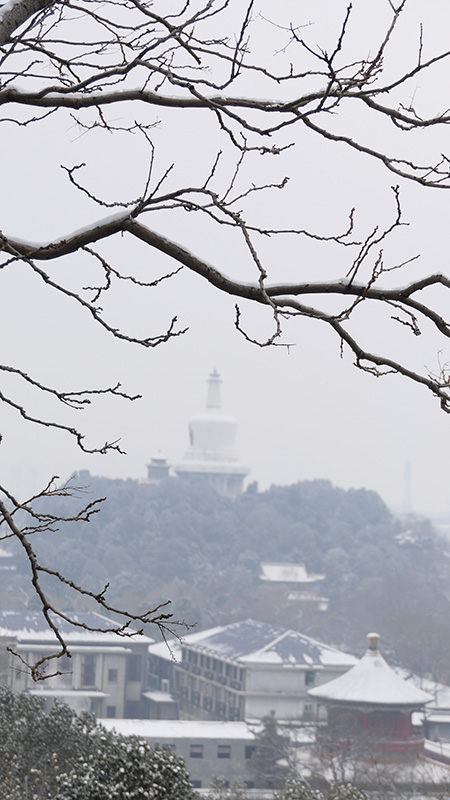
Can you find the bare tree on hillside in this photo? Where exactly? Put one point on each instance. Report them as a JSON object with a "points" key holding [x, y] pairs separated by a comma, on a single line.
{"points": [[121, 67]]}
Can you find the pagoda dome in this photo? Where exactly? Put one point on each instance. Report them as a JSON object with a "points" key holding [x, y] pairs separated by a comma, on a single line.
{"points": [[212, 432], [371, 683]]}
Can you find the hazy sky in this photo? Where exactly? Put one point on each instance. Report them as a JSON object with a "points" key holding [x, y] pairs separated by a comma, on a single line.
{"points": [[303, 412]]}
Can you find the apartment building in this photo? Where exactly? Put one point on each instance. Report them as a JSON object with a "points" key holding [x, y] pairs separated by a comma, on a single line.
{"points": [[246, 670]]}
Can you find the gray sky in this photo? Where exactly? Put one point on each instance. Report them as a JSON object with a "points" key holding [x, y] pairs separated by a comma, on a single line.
{"points": [[303, 412]]}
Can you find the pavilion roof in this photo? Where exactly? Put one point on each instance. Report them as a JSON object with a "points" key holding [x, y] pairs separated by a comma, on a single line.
{"points": [[371, 682]]}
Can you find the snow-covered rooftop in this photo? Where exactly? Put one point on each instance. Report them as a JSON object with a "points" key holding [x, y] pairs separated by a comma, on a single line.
{"points": [[439, 691], [170, 649], [287, 573], [67, 694], [159, 697], [159, 730], [30, 627], [252, 642], [371, 682]]}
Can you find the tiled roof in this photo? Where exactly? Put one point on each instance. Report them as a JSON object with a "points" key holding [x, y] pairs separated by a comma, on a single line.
{"points": [[252, 642], [371, 682]]}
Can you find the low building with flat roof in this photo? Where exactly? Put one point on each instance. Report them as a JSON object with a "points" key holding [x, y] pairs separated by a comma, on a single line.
{"points": [[210, 749]]}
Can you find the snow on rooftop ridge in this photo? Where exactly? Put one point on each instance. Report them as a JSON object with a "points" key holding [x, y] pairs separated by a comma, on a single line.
{"points": [[287, 573], [31, 627], [371, 682], [277, 652], [175, 729], [251, 641]]}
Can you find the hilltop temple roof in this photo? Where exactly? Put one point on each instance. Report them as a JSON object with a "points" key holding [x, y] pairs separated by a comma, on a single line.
{"points": [[371, 682]]}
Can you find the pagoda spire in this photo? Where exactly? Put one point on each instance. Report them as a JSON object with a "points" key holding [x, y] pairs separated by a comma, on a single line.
{"points": [[213, 398]]}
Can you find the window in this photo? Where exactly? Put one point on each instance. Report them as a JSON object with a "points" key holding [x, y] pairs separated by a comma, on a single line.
{"points": [[110, 712], [249, 784], [88, 671], [220, 710], [308, 709], [196, 751], [112, 676], [184, 692], [195, 698], [196, 784], [207, 703], [224, 751], [134, 667], [310, 678], [249, 750]]}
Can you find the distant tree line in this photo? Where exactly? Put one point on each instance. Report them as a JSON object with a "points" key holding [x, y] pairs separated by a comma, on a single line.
{"points": [[204, 551]]}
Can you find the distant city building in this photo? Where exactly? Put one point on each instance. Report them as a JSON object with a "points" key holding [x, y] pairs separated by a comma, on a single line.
{"points": [[211, 458], [370, 709], [106, 674]]}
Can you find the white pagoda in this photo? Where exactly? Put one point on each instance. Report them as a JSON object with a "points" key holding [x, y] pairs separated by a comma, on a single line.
{"points": [[211, 458]]}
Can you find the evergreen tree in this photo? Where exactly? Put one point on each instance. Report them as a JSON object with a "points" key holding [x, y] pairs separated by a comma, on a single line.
{"points": [[61, 755]]}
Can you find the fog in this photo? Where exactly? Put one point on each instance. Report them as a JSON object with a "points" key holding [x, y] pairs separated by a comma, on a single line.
{"points": [[304, 411]]}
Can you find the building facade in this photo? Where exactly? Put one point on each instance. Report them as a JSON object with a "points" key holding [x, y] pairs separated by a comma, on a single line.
{"points": [[210, 749], [249, 670], [106, 673]]}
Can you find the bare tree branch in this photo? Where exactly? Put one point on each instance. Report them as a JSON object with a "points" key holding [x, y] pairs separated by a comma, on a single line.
{"points": [[83, 61], [42, 521]]}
